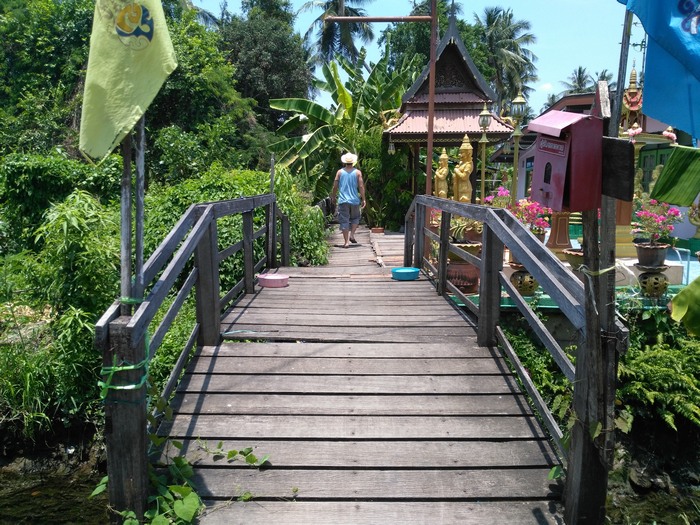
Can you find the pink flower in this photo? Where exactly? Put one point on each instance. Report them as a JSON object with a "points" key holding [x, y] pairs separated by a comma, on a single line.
{"points": [[654, 219]]}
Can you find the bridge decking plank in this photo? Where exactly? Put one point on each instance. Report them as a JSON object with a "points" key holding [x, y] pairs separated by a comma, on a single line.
{"points": [[347, 384], [461, 350], [397, 485], [382, 454], [352, 426], [372, 512], [310, 404], [295, 365], [371, 398]]}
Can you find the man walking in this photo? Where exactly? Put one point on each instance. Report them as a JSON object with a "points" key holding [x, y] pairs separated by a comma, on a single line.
{"points": [[349, 193]]}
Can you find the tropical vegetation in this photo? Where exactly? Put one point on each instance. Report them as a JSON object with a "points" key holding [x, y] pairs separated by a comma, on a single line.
{"points": [[211, 134]]}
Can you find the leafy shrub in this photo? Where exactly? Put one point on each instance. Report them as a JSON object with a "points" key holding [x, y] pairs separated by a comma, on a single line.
{"points": [[30, 184], [51, 301], [78, 265], [660, 373]]}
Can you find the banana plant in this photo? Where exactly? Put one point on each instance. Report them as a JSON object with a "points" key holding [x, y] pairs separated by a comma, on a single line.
{"points": [[315, 134]]}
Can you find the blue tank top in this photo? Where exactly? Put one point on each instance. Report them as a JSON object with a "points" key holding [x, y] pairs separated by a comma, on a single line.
{"points": [[347, 187]]}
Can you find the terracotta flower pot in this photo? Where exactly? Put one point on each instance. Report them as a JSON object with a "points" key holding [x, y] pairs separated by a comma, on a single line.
{"points": [[574, 256]]}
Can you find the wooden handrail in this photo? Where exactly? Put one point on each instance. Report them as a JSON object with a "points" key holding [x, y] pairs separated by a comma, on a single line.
{"points": [[500, 229], [188, 258]]}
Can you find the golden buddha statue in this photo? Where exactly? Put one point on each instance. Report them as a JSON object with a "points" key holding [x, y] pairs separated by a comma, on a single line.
{"points": [[462, 188], [441, 176]]}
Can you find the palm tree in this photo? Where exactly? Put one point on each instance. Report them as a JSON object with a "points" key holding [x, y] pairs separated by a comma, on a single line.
{"points": [[506, 40], [580, 81], [606, 76], [336, 38], [551, 100]]}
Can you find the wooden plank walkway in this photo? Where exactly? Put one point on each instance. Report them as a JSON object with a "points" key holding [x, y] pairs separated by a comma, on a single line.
{"points": [[372, 400]]}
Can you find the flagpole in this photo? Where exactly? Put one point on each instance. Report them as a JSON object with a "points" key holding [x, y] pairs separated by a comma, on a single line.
{"points": [[125, 250], [140, 191]]}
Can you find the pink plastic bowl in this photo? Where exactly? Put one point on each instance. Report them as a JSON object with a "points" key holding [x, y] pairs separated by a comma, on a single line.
{"points": [[273, 280]]}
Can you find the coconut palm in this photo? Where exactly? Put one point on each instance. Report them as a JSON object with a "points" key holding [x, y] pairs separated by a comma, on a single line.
{"points": [[551, 100], [606, 76], [506, 40], [336, 39], [580, 81]]}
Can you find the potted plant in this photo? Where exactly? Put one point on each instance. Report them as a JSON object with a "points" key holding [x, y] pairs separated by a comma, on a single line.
{"points": [[533, 215], [654, 222]]}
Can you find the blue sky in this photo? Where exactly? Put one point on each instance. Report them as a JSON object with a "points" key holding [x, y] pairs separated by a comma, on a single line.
{"points": [[570, 33]]}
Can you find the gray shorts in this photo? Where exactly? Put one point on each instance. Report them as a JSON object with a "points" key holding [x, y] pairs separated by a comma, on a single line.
{"points": [[348, 214]]}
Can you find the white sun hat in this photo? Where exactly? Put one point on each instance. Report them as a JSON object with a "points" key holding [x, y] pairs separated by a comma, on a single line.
{"points": [[348, 158]]}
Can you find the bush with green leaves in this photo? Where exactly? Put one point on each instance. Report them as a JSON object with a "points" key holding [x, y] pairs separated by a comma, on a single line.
{"points": [[51, 301], [660, 372], [165, 205], [30, 184]]}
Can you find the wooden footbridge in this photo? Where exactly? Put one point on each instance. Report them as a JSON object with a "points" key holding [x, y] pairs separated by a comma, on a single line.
{"points": [[375, 400]]}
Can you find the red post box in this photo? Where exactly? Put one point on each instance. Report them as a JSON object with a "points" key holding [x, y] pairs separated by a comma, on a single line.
{"points": [[568, 161]]}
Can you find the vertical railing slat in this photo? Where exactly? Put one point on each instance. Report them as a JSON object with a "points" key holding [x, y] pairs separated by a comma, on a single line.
{"points": [[248, 258]]}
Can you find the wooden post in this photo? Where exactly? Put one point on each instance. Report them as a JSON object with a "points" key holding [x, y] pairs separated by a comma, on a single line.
{"points": [[443, 251], [285, 240], [208, 288], [248, 259], [587, 475], [272, 236], [489, 287], [408, 240], [418, 246], [593, 435], [125, 423]]}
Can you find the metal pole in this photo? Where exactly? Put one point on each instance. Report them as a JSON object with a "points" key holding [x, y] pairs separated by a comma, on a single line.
{"points": [[138, 288], [125, 248], [482, 144], [378, 19]]}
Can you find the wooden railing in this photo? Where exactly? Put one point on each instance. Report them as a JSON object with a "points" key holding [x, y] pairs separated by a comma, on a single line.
{"points": [[501, 229], [188, 259]]}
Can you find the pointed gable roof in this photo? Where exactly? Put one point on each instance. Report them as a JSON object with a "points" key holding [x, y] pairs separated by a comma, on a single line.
{"points": [[460, 94], [450, 52]]}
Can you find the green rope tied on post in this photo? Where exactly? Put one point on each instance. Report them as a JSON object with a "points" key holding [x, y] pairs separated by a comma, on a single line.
{"points": [[124, 366]]}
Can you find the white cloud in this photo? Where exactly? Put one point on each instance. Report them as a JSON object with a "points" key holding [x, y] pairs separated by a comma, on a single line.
{"points": [[547, 87]]}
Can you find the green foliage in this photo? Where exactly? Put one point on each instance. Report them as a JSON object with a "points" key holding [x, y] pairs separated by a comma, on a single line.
{"points": [[78, 262], [202, 86], [163, 362], [308, 234], [659, 375], [51, 301], [252, 44], [165, 205], [554, 388], [43, 47], [31, 183], [361, 107]]}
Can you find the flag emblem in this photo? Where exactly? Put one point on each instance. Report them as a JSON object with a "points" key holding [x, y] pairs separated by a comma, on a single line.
{"points": [[134, 26], [131, 55]]}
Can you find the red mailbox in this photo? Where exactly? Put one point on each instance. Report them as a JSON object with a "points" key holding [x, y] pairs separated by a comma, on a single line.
{"points": [[568, 161]]}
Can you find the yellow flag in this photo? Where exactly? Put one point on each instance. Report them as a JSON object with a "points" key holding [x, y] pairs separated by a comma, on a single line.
{"points": [[131, 55]]}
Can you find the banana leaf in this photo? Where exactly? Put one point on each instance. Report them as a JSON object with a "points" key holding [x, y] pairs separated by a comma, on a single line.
{"points": [[686, 307]]}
